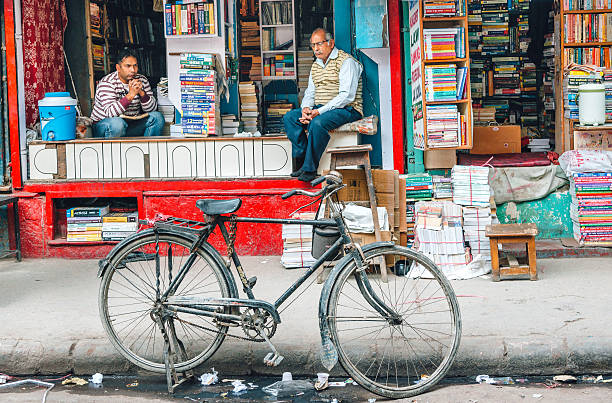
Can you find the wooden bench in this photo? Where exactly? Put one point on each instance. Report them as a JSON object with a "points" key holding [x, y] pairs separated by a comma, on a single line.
{"points": [[347, 135], [509, 265]]}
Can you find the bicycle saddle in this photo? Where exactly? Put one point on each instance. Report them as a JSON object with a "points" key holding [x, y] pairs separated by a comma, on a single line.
{"points": [[216, 207]]}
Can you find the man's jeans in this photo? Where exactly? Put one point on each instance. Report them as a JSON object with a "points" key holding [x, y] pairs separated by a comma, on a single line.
{"points": [[119, 127], [311, 148]]}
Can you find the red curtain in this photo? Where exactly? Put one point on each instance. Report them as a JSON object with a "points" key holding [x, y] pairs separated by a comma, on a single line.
{"points": [[44, 22]]}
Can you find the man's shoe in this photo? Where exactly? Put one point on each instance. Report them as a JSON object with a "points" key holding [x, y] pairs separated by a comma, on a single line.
{"points": [[297, 173], [297, 166], [307, 176]]}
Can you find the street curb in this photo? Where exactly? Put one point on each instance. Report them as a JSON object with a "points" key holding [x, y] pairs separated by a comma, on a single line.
{"points": [[525, 356]]}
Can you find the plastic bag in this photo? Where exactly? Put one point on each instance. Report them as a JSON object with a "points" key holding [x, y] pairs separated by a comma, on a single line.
{"points": [[288, 388], [359, 219], [578, 161]]}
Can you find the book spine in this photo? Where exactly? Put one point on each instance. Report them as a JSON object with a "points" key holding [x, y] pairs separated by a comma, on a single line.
{"points": [[211, 16], [168, 18], [201, 25]]}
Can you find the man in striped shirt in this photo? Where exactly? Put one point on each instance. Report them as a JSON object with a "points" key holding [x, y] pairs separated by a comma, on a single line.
{"points": [[125, 93]]}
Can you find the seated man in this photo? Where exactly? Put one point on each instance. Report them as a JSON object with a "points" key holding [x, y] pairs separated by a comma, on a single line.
{"points": [[333, 98], [125, 93]]}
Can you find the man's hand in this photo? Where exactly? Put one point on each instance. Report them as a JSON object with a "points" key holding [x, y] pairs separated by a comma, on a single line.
{"points": [[308, 114], [314, 113], [135, 86]]}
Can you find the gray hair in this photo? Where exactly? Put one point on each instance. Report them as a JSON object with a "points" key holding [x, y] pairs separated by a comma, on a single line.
{"points": [[328, 34]]}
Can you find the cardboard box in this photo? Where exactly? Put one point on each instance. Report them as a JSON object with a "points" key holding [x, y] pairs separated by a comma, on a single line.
{"points": [[440, 159], [496, 139], [356, 186], [366, 238]]}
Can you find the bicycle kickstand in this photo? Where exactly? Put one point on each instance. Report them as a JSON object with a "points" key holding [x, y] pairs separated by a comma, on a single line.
{"points": [[274, 358], [172, 346]]}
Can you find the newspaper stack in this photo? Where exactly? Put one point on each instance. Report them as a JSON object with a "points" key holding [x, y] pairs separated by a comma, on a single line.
{"points": [[471, 185], [297, 243], [475, 221], [439, 235]]}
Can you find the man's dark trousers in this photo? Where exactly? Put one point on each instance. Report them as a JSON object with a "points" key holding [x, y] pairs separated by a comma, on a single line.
{"points": [[311, 148]]}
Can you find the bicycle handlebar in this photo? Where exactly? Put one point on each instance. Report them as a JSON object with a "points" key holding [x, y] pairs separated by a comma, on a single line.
{"points": [[333, 179]]}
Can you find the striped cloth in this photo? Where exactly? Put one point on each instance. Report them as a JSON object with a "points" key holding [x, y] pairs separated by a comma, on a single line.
{"points": [[110, 100]]}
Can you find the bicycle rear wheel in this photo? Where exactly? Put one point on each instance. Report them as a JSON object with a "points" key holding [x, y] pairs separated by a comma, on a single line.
{"points": [[128, 295], [396, 339]]}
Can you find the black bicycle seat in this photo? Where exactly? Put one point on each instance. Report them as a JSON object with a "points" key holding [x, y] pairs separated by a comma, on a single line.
{"points": [[216, 207]]}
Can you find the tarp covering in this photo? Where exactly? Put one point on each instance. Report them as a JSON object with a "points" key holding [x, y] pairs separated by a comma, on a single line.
{"points": [[519, 184]]}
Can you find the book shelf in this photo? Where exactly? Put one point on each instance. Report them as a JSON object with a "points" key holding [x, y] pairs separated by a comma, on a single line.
{"points": [[192, 19], [585, 37], [98, 30], [277, 40], [442, 105]]}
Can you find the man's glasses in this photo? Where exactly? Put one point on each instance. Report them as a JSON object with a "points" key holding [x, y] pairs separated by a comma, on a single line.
{"points": [[317, 44]]}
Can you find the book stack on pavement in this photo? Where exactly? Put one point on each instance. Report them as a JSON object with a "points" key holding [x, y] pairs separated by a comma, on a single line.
{"points": [[117, 226], [198, 95], [418, 186], [249, 107], [475, 221], [591, 208], [539, 144], [471, 185], [297, 243], [442, 187], [84, 224], [439, 235]]}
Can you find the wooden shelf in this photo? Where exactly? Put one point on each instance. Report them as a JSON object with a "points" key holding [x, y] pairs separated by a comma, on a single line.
{"points": [[64, 242], [449, 60], [601, 11], [437, 19], [586, 44], [263, 78], [276, 25], [458, 101], [278, 51]]}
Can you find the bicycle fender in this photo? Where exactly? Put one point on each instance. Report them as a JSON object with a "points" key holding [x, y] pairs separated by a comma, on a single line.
{"points": [[104, 262], [329, 353]]}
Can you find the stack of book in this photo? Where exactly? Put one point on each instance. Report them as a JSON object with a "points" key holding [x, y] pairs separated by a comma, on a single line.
{"points": [[441, 82], [249, 106], [304, 64], [506, 77], [471, 185], [501, 106], [484, 115], [84, 224], [279, 65], [95, 20], [249, 34], [274, 116], [442, 187], [444, 43], [445, 126], [538, 144], [607, 77], [198, 94], [478, 78], [418, 186], [297, 243], [410, 220], [475, 221], [117, 226], [571, 82], [229, 124], [440, 8], [193, 18], [495, 34], [439, 234], [98, 56], [591, 208]]}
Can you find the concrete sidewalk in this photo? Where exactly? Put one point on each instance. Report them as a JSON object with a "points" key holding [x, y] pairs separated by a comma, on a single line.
{"points": [[559, 324]]}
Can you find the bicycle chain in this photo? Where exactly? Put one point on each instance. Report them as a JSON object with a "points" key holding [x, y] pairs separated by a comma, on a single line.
{"points": [[217, 331]]}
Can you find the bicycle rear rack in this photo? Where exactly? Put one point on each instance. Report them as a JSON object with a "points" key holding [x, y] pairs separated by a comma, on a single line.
{"points": [[175, 223]]}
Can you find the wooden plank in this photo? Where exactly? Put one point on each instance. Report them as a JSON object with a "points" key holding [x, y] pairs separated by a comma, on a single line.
{"points": [[511, 230]]}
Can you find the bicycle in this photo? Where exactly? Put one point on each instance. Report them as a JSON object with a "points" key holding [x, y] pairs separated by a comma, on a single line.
{"points": [[168, 298]]}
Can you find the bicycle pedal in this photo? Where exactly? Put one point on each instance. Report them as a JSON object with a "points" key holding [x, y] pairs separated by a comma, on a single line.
{"points": [[273, 359]]}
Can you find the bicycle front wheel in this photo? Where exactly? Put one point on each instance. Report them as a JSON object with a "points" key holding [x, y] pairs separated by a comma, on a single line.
{"points": [[130, 290], [396, 338]]}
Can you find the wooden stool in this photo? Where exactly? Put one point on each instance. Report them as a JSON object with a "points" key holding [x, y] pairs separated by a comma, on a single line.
{"points": [[513, 233], [359, 155]]}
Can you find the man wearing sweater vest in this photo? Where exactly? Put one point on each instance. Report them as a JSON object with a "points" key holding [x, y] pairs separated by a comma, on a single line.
{"points": [[124, 105], [333, 98]]}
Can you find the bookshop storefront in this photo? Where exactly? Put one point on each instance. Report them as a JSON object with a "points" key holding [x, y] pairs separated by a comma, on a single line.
{"points": [[261, 64]]}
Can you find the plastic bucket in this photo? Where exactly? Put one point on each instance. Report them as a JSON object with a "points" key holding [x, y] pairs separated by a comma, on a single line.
{"points": [[57, 116], [592, 104]]}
